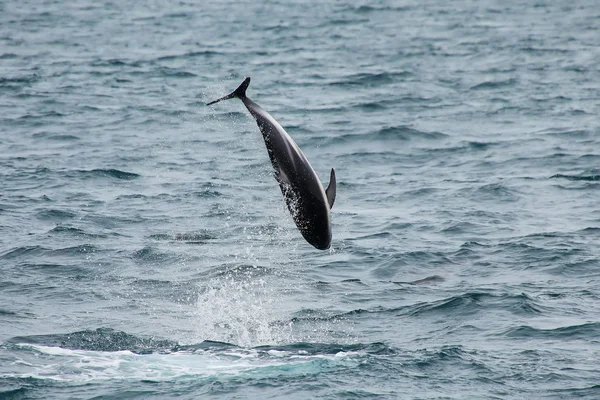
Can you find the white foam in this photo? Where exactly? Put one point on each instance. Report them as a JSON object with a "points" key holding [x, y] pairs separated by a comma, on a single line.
{"points": [[82, 366]]}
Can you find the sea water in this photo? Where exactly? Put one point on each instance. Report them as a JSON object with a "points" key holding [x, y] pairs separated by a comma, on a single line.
{"points": [[146, 251]]}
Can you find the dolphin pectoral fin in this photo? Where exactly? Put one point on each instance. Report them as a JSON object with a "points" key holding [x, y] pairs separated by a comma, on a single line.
{"points": [[330, 191], [240, 92]]}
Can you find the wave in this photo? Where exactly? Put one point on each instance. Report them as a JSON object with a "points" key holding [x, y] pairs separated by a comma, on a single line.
{"points": [[190, 54], [462, 227], [577, 177], [111, 340], [93, 173], [538, 50], [176, 73], [115, 62], [22, 251], [188, 237], [111, 173], [391, 133], [590, 230], [26, 251], [433, 279], [588, 331], [403, 132], [494, 192], [494, 84], [101, 339], [587, 392], [444, 353], [63, 138], [367, 79], [474, 302], [367, 9], [74, 271], [567, 133], [470, 249], [475, 145], [151, 254], [162, 72], [7, 312], [69, 230], [577, 268], [18, 82], [207, 193], [38, 119], [466, 304]]}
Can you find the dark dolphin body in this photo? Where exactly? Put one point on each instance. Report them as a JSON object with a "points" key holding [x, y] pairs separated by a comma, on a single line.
{"points": [[308, 203]]}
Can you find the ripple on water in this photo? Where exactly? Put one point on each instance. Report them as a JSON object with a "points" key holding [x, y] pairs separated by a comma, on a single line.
{"points": [[55, 215], [145, 250], [109, 173], [152, 255], [577, 177], [391, 133], [101, 339], [587, 331]]}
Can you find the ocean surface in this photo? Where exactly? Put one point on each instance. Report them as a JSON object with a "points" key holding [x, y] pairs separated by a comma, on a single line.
{"points": [[146, 251]]}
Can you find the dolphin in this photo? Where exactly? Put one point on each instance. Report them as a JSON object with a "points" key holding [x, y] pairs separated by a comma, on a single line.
{"points": [[304, 195]]}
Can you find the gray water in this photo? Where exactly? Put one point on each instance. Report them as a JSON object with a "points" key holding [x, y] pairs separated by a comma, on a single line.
{"points": [[146, 251]]}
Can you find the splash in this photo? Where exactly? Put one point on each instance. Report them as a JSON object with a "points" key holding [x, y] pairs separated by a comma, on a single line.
{"points": [[242, 309], [246, 301]]}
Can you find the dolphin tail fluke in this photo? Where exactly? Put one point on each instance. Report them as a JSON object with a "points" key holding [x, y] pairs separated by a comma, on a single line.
{"points": [[240, 92], [330, 191]]}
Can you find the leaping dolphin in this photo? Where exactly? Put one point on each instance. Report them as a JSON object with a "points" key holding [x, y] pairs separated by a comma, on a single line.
{"points": [[308, 203]]}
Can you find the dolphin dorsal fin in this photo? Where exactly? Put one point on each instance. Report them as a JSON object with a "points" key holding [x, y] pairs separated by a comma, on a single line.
{"points": [[330, 191]]}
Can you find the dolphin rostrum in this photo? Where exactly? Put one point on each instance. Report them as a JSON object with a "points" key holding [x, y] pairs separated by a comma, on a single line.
{"points": [[308, 203]]}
